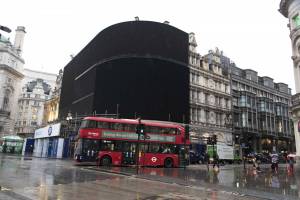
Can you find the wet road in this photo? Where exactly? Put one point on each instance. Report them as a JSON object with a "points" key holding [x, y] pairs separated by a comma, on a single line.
{"points": [[264, 184], [49, 179]]}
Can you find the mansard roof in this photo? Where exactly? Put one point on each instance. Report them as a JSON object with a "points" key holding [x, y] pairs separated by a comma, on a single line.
{"points": [[32, 84]]}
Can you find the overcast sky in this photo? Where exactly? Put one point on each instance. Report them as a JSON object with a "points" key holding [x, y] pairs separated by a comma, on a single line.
{"points": [[252, 33]]}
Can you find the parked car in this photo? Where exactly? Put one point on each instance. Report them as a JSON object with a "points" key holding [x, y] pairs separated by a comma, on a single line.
{"points": [[196, 158]]}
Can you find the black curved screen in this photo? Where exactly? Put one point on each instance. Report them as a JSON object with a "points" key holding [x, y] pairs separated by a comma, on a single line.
{"points": [[152, 48], [150, 88]]}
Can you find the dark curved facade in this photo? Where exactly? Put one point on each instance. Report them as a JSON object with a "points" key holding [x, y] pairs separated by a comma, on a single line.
{"points": [[141, 67]]}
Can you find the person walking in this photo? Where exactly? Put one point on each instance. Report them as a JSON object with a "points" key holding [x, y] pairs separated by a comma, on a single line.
{"points": [[291, 165], [216, 162], [274, 159], [206, 160], [256, 164]]}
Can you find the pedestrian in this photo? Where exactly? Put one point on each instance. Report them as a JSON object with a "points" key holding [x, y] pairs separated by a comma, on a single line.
{"points": [[291, 165], [206, 160], [256, 164], [274, 159], [216, 165]]}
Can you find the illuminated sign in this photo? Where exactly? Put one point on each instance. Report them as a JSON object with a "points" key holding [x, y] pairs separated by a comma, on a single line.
{"points": [[47, 131]]}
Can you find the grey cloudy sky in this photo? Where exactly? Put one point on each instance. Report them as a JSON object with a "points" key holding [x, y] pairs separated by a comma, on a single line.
{"points": [[252, 33]]}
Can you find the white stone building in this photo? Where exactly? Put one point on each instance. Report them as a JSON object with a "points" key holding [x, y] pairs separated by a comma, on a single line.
{"points": [[11, 74], [31, 75], [37, 87], [210, 98], [31, 107], [291, 10]]}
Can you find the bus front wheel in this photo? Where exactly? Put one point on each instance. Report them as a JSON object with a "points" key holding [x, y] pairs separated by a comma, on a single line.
{"points": [[169, 162], [105, 161]]}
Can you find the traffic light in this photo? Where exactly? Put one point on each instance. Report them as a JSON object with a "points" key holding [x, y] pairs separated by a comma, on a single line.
{"points": [[209, 140], [214, 139], [140, 129], [187, 132]]}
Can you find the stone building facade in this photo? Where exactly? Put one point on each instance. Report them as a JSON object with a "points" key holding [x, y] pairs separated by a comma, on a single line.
{"points": [[210, 98], [11, 74], [31, 107], [291, 10], [261, 118], [51, 106], [32, 75]]}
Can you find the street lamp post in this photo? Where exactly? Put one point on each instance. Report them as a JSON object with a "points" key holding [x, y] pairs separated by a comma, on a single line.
{"points": [[68, 118]]}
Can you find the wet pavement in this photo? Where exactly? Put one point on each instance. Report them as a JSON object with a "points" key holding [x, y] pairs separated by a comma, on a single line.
{"points": [[47, 179], [232, 178]]}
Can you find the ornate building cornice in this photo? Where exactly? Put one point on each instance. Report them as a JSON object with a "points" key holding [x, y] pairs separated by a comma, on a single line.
{"points": [[283, 7], [11, 70]]}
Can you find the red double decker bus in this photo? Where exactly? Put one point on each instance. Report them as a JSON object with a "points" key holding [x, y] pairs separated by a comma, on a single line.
{"points": [[113, 142]]}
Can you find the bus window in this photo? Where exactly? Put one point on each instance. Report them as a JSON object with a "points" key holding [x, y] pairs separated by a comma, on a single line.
{"points": [[104, 125], [128, 147], [174, 131], [107, 145], [154, 148], [117, 126], [130, 127], [144, 147], [88, 124], [84, 123]]}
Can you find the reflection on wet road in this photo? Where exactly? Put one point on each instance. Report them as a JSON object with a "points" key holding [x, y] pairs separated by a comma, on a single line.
{"points": [[231, 178], [47, 179]]}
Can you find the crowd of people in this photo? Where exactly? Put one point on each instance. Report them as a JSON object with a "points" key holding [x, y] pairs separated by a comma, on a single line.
{"points": [[274, 160], [289, 160]]}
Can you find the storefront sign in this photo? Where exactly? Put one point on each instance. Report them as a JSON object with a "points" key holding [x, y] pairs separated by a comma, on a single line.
{"points": [[48, 131]]}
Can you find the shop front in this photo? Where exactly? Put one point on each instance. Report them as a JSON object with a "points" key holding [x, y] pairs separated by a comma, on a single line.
{"points": [[48, 143]]}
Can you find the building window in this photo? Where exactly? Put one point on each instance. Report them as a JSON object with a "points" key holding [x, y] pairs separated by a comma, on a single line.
{"points": [[244, 120], [207, 116], [242, 101], [296, 21], [33, 123], [34, 117], [5, 105]]}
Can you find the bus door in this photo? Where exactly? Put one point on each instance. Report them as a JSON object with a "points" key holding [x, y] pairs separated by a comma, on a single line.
{"points": [[128, 153]]}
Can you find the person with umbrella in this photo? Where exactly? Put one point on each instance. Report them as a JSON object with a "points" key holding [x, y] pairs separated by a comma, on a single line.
{"points": [[291, 162], [274, 160]]}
